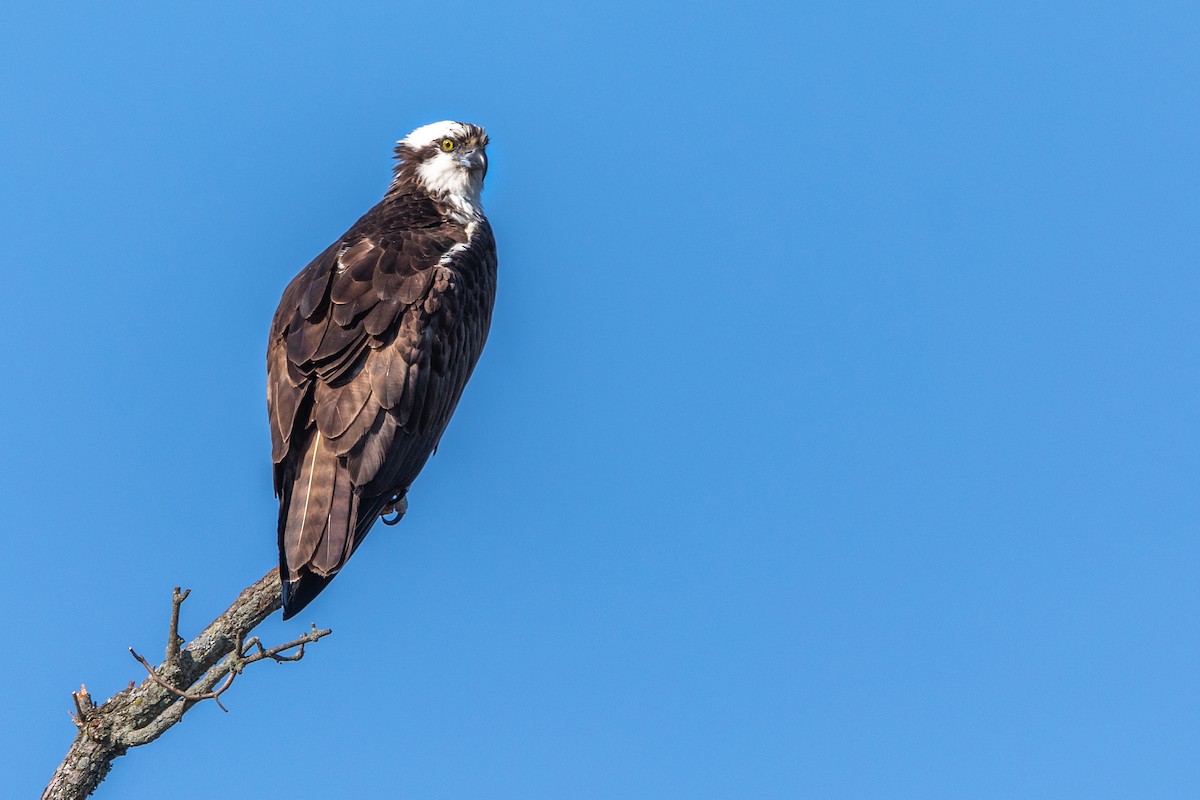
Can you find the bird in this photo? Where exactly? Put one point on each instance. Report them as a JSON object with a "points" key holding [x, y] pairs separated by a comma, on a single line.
{"points": [[369, 351]]}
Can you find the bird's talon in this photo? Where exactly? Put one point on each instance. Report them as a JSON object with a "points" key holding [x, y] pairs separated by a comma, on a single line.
{"points": [[397, 506]]}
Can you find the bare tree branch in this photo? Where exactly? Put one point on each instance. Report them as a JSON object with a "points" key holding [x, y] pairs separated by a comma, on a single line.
{"points": [[232, 666], [202, 670], [174, 641]]}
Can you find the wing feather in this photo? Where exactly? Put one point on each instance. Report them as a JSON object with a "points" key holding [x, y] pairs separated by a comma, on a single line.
{"points": [[304, 339], [315, 278], [282, 400], [387, 369], [367, 457], [335, 408], [382, 317], [415, 389]]}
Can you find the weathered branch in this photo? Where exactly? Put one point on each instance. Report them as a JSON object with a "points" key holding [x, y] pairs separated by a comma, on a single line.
{"points": [[188, 675], [174, 640]]}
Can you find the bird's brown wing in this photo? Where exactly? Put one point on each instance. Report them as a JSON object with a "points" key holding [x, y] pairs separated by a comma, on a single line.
{"points": [[369, 351]]}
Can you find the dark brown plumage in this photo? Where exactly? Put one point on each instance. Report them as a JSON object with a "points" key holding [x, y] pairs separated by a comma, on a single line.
{"points": [[369, 352]]}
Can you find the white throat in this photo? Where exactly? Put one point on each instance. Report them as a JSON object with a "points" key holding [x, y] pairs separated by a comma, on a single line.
{"points": [[443, 178]]}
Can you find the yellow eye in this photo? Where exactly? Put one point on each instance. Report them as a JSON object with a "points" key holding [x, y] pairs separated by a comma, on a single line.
{"points": [[447, 145]]}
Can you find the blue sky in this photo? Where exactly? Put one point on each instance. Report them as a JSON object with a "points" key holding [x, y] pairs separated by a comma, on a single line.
{"points": [[836, 436]]}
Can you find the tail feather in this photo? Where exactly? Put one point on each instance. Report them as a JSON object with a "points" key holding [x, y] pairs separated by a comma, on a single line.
{"points": [[332, 551], [300, 592], [308, 509], [323, 519], [316, 518]]}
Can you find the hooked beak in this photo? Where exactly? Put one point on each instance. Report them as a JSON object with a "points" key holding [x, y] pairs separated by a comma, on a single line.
{"points": [[474, 160]]}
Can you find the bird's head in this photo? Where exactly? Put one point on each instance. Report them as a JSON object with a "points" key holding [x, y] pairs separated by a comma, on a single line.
{"points": [[446, 159]]}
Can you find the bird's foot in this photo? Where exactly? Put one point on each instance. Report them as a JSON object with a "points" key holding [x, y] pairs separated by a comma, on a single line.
{"points": [[398, 505]]}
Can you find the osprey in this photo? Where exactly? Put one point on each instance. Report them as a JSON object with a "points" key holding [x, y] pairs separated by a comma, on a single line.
{"points": [[370, 349]]}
